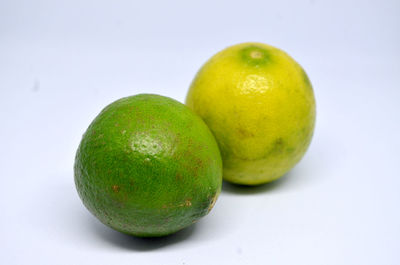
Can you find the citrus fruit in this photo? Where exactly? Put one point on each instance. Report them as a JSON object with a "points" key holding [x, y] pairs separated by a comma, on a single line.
{"points": [[148, 166], [260, 106]]}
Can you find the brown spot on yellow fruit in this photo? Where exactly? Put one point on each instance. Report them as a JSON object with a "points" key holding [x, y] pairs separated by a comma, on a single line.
{"points": [[245, 133]]}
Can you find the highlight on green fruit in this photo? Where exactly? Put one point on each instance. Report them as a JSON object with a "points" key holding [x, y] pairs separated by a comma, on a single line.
{"points": [[148, 166]]}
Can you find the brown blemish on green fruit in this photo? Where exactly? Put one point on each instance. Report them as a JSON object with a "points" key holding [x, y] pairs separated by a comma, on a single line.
{"points": [[187, 202], [116, 188], [178, 176]]}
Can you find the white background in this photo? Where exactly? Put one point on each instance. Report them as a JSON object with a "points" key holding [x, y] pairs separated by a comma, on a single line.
{"points": [[61, 62]]}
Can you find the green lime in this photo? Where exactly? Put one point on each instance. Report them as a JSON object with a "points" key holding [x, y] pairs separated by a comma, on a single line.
{"points": [[148, 166]]}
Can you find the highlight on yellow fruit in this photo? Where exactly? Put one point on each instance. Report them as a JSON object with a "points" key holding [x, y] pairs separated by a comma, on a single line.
{"points": [[260, 106]]}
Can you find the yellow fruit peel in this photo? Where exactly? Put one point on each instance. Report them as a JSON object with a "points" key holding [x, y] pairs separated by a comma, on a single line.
{"points": [[259, 104]]}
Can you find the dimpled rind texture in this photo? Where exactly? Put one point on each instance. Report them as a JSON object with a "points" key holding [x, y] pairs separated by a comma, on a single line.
{"points": [[260, 106], [148, 166]]}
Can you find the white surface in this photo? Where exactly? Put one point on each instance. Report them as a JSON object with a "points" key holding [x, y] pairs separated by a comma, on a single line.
{"points": [[61, 62]]}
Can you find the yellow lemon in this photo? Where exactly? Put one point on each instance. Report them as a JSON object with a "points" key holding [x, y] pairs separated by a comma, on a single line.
{"points": [[260, 106]]}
